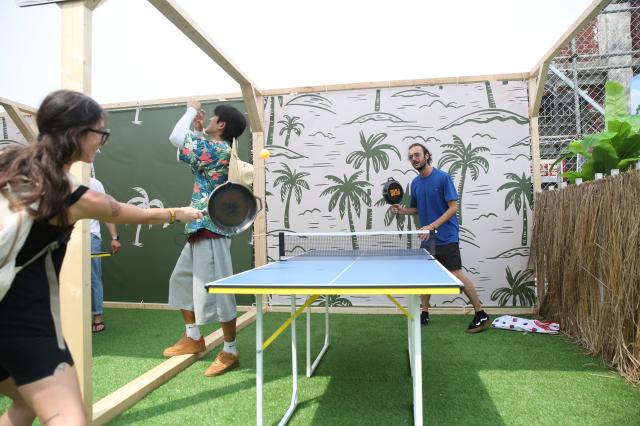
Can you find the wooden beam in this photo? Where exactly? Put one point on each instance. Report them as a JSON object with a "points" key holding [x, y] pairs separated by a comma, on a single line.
{"points": [[155, 306], [521, 76], [535, 156], [259, 188], [166, 102], [75, 277], [254, 110], [322, 88], [16, 115], [24, 108], [585, 17], [117, 402], [536, 89], [180, 19]]}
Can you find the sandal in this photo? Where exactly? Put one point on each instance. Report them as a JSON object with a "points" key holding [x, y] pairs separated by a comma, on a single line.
{"points": [[97, 327]]}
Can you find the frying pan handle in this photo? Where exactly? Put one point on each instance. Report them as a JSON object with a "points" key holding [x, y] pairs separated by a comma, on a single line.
{"points": [[260, 204]]}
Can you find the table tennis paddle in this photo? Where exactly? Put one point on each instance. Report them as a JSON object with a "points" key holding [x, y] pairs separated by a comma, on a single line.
{"points": [[392, 191]]}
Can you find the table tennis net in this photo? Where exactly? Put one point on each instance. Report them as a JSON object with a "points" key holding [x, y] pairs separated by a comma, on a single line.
{"points": [[352, 244]]}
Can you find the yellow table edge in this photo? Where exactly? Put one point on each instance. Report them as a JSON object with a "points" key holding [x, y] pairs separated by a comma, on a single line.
{"points": [[336, 291]]}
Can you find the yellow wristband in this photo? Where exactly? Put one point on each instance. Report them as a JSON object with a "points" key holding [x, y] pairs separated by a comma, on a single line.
{"points": [[172, 216]]}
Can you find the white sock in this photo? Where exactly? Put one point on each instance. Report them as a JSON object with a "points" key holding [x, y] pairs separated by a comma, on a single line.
{"points": [[230, 347], [193, 331]]}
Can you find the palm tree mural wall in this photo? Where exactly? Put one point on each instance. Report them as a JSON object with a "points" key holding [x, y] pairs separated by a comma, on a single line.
{"points": [[332, 152]]}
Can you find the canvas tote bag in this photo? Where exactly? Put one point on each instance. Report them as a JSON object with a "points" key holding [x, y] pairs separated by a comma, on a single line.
{"points": [[239, 171]]}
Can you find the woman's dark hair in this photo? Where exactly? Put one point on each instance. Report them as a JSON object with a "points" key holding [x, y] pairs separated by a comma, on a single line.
{"points": [[424, 150], [234, 120], [62, 119]]}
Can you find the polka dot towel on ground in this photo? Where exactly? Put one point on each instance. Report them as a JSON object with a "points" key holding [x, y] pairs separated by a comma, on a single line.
{"points": [[507, 322]]}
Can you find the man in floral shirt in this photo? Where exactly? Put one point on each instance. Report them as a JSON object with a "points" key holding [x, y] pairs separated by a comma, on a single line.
{"points": [[206, 255]]}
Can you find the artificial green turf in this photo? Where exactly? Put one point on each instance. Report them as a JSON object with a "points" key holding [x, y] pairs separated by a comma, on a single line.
{"points": [[495, 377]]}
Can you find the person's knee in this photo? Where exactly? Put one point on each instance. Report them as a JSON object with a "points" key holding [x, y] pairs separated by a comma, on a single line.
{"points": [[19, 412], [71, 414]]}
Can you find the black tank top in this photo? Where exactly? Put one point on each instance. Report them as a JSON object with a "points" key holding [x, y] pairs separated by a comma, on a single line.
{"points": [[25, 309]]}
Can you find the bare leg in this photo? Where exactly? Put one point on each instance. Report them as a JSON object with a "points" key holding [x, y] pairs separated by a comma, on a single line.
{"points": [[19, 412], [424, 302], [229, 330], [56, 399], [188, 316], [469, 289]]}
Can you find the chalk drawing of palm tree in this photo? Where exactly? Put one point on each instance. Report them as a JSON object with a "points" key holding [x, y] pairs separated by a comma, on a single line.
{"points": [[5, 133], [292, 183], [144, 203], [520, 196], [490, 99], [290, 124], [333, 300], [348, 192], [520, 289], [463, 158], [373, 154]]}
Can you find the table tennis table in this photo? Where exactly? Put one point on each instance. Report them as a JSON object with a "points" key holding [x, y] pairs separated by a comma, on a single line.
{"points": [[408, 272]]}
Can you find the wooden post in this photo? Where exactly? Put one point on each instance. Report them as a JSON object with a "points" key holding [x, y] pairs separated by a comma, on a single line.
{"points": [[535, 155], [75, 277]]}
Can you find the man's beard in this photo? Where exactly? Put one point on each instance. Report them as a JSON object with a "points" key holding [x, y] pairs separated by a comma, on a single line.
{"points": [[420, 167]]}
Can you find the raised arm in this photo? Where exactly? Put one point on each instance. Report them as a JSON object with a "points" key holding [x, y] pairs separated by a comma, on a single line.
{"points": [[182, 127], [194, 114], [94, 205]]}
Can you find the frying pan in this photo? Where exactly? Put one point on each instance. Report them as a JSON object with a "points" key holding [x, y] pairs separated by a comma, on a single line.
{"points": [[232, 207]]}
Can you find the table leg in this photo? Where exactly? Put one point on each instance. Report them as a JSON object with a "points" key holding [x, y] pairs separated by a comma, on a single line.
{"points": [[410, 301], [259, 353], [294, 367], [417, 360], [311, 367]]}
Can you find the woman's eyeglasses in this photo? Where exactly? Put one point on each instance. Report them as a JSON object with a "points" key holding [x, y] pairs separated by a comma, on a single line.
{"points": [[103, 132]]}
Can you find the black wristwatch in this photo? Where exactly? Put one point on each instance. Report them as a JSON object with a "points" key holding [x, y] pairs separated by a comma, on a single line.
{"points": [[116, 238]]}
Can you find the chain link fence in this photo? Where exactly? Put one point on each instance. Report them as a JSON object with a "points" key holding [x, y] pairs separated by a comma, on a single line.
{"points": [[608, 48]]}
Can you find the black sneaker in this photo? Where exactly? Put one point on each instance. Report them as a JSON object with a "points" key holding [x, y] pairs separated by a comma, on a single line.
{"points": [[424, 318], [479, 322]]}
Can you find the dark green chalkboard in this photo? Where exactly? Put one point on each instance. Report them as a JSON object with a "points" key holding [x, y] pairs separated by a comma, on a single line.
{"points": [[141, 156]]}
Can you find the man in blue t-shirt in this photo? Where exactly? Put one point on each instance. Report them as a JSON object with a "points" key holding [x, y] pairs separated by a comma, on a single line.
{"points": [[435, 200]]}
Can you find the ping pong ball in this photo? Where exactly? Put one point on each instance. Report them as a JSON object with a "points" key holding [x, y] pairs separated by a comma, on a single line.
{"points": [[265, 153]]}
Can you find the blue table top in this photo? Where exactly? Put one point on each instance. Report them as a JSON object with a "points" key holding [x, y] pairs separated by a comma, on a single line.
{"points": [[341, 275]]}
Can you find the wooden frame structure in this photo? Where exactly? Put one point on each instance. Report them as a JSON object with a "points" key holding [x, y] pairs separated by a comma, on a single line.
{"points": [[538, 78], [76, 68]]}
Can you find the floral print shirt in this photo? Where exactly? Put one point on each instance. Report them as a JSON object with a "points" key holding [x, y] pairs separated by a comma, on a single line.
{"points": [[209, 162]]}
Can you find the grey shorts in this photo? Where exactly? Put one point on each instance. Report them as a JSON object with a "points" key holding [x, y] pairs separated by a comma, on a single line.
{"points": [[199, 263]]}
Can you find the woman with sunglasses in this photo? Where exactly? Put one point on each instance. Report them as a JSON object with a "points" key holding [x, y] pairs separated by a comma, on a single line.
{"points": [[36, 368]]}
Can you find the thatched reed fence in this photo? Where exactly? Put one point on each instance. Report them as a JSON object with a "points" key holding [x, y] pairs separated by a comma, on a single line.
{"points": [[586, 250]]}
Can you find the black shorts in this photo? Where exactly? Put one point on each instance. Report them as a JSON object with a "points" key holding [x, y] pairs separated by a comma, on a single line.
{"points": [[27, 359], [448, 255]]}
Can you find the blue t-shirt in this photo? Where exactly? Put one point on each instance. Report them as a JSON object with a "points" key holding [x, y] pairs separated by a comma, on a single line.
{"points": [[431, 196]]}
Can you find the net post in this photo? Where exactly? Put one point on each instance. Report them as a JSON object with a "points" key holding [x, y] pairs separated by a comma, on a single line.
{"points": [[432, 243], [281, 244]]}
